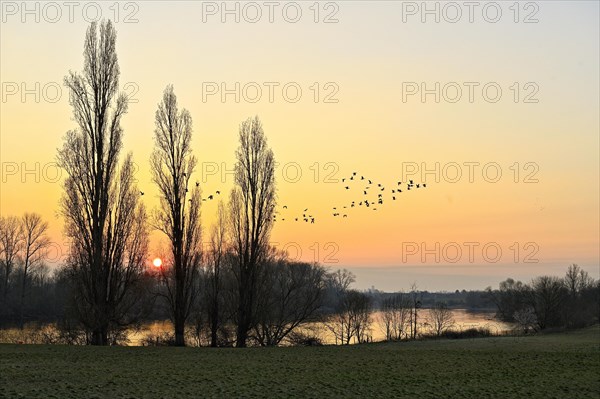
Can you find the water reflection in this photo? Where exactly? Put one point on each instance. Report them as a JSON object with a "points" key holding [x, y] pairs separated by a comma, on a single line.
{"points": [[159, 330]]}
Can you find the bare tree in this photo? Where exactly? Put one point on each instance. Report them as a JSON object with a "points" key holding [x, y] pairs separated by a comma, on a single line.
{"points": [[292, 293], [252, 204], [103, 215], [341, 279], [361, 307], [546, 296], [352, 318], [577, 280], [526, 319], [215, 262], [35, 244], [441, 318], [172, 165], [415, 301], [395, 316], [576, 309], [11, 242], [509, 298]]}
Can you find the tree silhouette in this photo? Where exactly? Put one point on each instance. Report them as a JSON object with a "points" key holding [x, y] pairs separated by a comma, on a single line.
{"points": [[292, 293], [35, 244], [251, 205], [215, 261], [178, 217], [395, 316], [352, 317], [104, 217], [441, 318], [11, 241]]}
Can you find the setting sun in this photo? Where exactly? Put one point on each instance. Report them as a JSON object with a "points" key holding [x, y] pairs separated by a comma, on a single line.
{"points": [[157, 262]]}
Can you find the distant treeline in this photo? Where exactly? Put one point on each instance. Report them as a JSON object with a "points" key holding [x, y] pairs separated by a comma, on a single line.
{"points": [[459, 299]]}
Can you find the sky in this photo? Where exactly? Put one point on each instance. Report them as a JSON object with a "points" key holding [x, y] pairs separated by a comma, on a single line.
{"points": [[494, 107]]}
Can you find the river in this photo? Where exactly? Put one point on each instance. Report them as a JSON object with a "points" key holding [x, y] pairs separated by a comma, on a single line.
{"points": [[463, 319]]}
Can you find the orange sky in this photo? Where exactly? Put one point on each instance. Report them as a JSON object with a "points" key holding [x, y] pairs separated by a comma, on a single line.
{"points": [[368, 57]]}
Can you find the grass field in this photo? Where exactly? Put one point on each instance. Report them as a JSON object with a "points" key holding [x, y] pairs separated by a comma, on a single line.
{"points": [[565, 365]]}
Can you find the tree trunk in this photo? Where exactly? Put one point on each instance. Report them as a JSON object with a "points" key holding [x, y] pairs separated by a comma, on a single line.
{"points": [[243, 320], [242, 328], [245, 313], [5, 285], [214, 325], [179, 310], [179, 331], [242, 335], [22, 304], [100, 337]]}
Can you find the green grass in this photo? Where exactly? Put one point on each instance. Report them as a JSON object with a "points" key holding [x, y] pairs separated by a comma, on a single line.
{"points": [[565, 365]]}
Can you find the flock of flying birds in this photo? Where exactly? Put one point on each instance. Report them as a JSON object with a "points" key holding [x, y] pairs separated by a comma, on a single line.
{"points": [[364, 186], [371, 196]]}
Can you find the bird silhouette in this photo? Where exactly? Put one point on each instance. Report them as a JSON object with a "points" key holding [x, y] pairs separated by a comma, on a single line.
{"points": [[141, 193], [197, 184], [379, 200]]}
